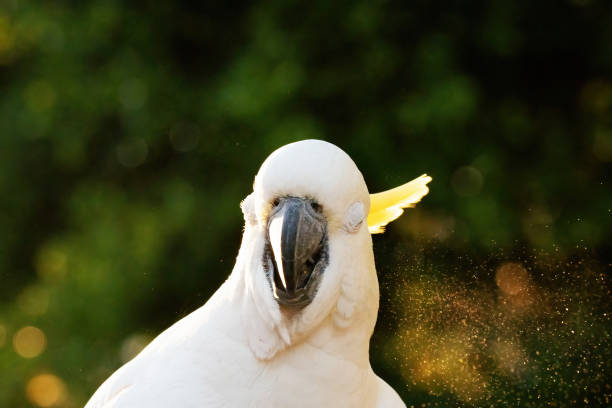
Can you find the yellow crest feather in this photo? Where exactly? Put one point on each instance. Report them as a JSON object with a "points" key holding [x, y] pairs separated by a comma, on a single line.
{"points": [[388, 205]]}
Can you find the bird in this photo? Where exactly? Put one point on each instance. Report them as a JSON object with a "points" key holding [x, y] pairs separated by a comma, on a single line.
{"points": [[291, 325]]}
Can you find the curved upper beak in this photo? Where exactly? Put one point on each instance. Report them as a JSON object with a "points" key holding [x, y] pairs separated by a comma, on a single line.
{"points": [[296, 233]]}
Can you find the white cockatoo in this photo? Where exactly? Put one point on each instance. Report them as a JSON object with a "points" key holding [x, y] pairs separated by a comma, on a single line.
{"points": [[291, 326]]}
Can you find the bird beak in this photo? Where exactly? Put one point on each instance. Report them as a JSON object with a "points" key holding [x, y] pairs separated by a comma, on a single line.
{"points": [[297, 237]]}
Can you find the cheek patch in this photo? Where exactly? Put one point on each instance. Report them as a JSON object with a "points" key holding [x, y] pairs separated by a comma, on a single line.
{"points": [[248, 209], [354, 217]]}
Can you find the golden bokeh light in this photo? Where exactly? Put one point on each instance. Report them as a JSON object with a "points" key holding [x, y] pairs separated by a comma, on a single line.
{"points": [[133, 345], [7, 40], [45, 390], [50, 264], [512, 278], [33, 300], [29, 342], [538, 225], [511, 359], [422, 224], [445, 364], [473, 340], [442, 342]]}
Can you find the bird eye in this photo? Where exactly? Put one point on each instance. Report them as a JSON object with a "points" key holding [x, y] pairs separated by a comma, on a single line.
{"points": [[276, 202], [316, 206]]}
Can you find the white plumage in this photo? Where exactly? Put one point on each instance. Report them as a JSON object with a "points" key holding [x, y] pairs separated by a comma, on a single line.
{"points": [[243, 348]]}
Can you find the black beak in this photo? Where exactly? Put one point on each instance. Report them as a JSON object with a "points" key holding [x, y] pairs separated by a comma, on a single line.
{"points": [[297, 237]]}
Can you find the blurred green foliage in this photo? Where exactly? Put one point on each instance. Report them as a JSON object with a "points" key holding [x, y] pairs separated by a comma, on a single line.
{"points": [[130, 131]]}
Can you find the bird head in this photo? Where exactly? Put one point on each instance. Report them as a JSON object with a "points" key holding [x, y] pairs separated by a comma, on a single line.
{"points": [[307, 195], [310, 251]]}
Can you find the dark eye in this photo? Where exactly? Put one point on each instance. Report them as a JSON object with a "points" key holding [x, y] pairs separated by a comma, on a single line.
{"points": [[316, 206], [275, 202]]}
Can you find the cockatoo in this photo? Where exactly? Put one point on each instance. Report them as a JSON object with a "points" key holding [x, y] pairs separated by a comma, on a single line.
{"points": [[291, 325]]}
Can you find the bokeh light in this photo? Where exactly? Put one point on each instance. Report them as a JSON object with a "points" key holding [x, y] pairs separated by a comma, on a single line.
{"points": [[481, 345], [510, 358], [29, 342], [45, 390], [184, 136], [133, 345], [50, 264], [512, 278], [132, 152], [7, 40], [132, 94], [33, 300]]}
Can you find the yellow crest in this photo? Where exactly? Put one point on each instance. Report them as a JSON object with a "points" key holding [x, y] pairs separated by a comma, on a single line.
{"points": [[390, 204]]}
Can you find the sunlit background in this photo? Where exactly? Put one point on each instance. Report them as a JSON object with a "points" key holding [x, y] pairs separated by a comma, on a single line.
{"points": [[130, 131]]}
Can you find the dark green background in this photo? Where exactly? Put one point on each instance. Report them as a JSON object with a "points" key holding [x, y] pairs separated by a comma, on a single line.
{"points": [[130, 131]]}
